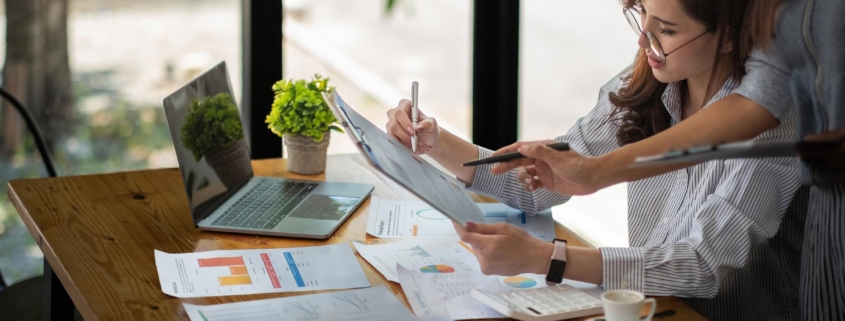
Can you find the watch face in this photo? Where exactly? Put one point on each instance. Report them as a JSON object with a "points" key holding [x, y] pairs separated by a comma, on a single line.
{"points": [[556, 268]]}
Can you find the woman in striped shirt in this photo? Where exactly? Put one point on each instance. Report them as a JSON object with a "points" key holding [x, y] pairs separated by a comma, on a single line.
{"points": [[724, 235]]}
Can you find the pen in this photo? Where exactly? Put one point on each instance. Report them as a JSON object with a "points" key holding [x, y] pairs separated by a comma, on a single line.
{"points": [[512, 155], [414, 102]]}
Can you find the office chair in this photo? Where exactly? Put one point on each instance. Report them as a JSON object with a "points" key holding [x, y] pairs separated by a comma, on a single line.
{"points": [[23, 300]]}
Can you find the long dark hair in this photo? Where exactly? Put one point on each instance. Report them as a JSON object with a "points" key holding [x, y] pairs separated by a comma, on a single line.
{"points": [[638, 108]]}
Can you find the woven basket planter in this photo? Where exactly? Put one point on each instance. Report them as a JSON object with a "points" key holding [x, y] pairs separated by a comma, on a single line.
{"points": [[230, 163], [305, 156]]}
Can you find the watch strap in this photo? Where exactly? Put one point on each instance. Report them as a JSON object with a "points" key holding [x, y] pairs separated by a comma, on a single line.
{"points": [[557, 265]]}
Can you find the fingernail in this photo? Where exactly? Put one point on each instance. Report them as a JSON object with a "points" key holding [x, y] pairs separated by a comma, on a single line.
{"points": [[410, 131], [537, 178], [527, 181]]}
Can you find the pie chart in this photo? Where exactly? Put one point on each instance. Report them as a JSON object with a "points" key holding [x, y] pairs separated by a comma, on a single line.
{"points": [[520, 282], [438, 268]]}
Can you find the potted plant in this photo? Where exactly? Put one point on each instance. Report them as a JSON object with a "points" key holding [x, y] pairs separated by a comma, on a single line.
{"points": [[301, 116], [213, 130]]}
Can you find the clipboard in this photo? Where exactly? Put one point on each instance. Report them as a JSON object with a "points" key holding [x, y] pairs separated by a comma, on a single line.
{"points": [[748, 149], [389, 157]]}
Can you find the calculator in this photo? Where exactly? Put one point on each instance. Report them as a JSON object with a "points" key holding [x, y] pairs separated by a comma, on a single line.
{"points": [[556, 302]]}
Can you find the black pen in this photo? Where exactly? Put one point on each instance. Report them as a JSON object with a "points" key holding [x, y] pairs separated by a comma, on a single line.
{"points": [[513, 155]]}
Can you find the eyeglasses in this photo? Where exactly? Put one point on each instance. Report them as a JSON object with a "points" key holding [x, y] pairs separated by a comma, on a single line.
{"points": [[634, 16]]}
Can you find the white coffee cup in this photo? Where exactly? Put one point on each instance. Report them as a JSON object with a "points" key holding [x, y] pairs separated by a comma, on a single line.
{"points": [[625, 305]]}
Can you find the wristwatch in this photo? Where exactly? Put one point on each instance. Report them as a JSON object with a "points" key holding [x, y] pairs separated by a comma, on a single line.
{"points": [[558, 263]]}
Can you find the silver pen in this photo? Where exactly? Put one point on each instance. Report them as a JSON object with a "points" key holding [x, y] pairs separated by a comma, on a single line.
{"points": [[414, 113]]}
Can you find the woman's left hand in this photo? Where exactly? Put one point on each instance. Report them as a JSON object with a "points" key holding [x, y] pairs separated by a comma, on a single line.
{"points": [[503, 249]]}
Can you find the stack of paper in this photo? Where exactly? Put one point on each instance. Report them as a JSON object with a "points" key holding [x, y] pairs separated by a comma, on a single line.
{"points": [[373, 304], [449, 294]]}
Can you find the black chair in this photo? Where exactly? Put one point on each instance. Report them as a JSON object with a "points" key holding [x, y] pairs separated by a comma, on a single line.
{"points": [[25, 300]]}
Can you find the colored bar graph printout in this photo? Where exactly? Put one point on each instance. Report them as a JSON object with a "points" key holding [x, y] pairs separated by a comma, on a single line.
{"points": [[241, 272], [221, 261]]}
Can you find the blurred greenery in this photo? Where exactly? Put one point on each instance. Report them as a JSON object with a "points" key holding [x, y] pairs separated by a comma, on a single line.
{"points": [[118, 137]]}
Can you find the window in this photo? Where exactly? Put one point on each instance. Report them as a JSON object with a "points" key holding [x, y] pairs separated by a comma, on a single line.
{"points": [[104, 109], [372, 56], [568, 51]]}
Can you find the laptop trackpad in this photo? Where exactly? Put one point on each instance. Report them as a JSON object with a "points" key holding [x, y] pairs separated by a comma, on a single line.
{"points": [[324, 207], [318, 215]]}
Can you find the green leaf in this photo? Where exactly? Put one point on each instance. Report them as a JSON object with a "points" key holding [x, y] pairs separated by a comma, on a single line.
{"points": [[298, 108]]}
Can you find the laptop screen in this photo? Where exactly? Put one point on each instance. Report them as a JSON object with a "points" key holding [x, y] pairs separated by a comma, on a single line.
{"points": [[206, 129]]}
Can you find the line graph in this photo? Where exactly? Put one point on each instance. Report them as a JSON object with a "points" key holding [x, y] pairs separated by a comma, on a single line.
{"points": [[363, 305], [311, 310]]}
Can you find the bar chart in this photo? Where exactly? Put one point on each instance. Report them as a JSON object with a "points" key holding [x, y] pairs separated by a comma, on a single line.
{"points": [[238, 273]]}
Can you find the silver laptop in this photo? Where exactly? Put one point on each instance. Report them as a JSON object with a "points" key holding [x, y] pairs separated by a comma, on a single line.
{"points": [[222, 191]]}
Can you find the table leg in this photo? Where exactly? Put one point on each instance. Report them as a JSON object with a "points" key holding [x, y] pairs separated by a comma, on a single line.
{"points": [[57, 303]]}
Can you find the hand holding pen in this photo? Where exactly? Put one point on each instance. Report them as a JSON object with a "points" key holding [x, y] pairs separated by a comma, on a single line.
{"points": [[401, 126]]}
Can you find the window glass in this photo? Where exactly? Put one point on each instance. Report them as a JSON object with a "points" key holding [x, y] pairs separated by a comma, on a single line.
{"points": [[373, 54], [569, 49], [94, 76]]}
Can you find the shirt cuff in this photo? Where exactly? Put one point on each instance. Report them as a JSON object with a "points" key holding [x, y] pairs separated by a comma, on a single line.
{"points": [[484, 181], [623, 268]]}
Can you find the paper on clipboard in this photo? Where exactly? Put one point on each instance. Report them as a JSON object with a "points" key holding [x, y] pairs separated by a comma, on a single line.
{"points": [[390, 157]]}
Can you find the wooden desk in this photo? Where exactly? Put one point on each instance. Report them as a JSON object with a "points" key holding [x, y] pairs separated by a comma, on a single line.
{"points": [[98, 232]]}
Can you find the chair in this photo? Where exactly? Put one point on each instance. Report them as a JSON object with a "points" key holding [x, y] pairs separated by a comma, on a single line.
{"points": [[24, 300]]}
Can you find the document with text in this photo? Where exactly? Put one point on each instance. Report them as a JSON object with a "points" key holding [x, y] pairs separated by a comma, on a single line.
{"points": [[449, 293], [401, 219], [237, 272], [372, 304], [441, 256]]}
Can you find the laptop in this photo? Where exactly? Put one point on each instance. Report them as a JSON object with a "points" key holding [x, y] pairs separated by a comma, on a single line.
{"points": [[390, 157], [223, 193]]}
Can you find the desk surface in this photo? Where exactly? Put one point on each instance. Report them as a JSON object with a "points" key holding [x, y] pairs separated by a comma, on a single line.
{"points": [[98, 233]]}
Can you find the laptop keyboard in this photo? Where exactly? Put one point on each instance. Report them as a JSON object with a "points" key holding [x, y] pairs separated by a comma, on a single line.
{"points": [[265, 204]]}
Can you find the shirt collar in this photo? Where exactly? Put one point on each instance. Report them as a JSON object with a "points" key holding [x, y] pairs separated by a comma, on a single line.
{"points": [[672, 97]]}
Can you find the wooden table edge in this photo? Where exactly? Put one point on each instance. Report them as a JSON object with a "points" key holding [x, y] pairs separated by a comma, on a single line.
{"points": [[58, 269]]}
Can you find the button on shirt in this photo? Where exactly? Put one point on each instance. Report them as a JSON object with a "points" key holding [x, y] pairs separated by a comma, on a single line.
{"points": [[688, 229]]}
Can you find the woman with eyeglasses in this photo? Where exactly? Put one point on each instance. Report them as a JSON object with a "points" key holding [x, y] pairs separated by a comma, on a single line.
{"points": [[723, 235]]}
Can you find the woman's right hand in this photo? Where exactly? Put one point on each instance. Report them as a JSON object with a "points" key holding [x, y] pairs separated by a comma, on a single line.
{"points": [[399, 126]]}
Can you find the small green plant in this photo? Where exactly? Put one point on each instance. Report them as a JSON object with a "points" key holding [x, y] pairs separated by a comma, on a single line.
{"points": [[299, 108], [212, 122]]}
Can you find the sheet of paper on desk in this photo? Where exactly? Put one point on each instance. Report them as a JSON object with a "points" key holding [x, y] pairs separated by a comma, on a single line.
{"points": [[433, 257], [441, 256], [372, 304], [448, 293], [237, 272], [400, 219]]}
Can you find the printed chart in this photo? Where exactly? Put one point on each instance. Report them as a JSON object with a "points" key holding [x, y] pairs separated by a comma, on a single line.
{"points": [[437, 268], [398, 219], [449, 294], [237, 272], [444, 256], [520, 282]]}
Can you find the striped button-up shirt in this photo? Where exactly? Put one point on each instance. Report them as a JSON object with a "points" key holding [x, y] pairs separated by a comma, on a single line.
{"points": [[707, 231]]}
